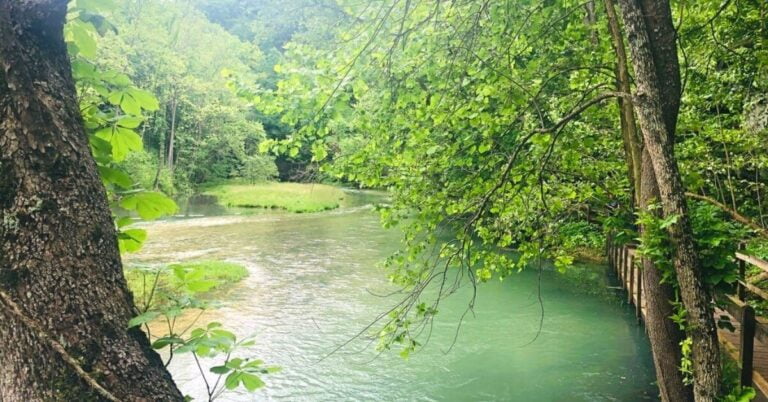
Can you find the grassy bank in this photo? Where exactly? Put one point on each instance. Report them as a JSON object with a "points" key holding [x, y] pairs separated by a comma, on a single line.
{"points": [[293, 197], [198, 278]]}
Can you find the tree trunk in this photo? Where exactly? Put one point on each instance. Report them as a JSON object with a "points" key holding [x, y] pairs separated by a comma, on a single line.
{"points": [[631, 139], [174, 106], [64, 303], [160, 163], [654, 58], [665, 335]]}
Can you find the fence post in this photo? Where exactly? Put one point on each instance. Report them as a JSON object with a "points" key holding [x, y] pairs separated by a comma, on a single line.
{"points": [[741, 291], [609, 248], [747, 344], [624, 266], [619, 271], [639, 306], [631, 287]]}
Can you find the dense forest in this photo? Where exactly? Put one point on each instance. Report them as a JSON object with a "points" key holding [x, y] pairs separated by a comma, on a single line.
{"points": [[506, 136]]}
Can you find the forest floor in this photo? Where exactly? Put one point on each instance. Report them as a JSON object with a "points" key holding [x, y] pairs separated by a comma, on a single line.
{"points": [[293, 197]]}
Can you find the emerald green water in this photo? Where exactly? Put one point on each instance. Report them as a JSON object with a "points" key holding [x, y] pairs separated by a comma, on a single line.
{"points": [[311, 287]]}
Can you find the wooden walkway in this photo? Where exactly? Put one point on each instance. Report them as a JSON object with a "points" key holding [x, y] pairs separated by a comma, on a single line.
{"points": [[747, 344]]}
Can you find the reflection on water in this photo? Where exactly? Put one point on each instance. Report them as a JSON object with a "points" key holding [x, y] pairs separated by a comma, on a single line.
{"points": [[311, 287]]}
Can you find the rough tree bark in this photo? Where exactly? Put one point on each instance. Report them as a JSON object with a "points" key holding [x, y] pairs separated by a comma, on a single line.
{"points": [[654, 57], [665, 335], [64, 303]]}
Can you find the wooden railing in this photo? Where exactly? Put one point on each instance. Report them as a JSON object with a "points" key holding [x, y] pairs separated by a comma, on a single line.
{"points": [[751, 327], [625, 261]]}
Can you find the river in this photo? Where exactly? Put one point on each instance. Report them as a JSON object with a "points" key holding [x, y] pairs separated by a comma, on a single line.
{"points": [[313, 284]]}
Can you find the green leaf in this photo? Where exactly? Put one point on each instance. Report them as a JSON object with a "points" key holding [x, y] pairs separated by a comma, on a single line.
{"points": [[143, 318], [266, 146], [149, 205], [203, 350], [201, 286], [130, 121], [165, 341], [122, 141], [81, 69], [220, 370], [197, 332], [123, 221], [145, 99], [115, 176], [251, 382], [235, 363], [130, 105], [101, 148], [253, 364], [179, 272], [319, 152], [115, 98], [131, 240], [232, 380], [223, 334], [82, 34]]}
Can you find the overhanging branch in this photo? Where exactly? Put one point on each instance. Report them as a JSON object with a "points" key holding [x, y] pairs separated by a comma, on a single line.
{"points": [[761, 230]]}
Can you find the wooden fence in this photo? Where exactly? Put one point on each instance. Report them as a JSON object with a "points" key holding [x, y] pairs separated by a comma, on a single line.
{"points": [[624, 260], [751, 332]]}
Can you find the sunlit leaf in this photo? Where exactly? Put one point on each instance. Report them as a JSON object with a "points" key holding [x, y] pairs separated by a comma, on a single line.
{"points": [[131, 240], [149, 205]]}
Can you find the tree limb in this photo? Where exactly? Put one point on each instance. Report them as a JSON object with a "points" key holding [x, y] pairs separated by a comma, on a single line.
{"points": [[733, 213], [576, 112]]}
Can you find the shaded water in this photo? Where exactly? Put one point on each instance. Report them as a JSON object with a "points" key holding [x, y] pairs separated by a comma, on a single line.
{"points": [[310, 289]]}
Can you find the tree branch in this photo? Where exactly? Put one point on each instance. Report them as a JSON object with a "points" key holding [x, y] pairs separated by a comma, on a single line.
{"points": [[733, 213], [586, 105]]}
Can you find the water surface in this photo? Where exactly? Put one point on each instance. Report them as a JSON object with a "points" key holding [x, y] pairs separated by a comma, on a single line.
{"points": [[312, 285]]}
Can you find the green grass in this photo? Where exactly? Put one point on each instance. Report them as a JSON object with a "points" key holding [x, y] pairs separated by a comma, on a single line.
{"points": [[199, 277], [223, 272], [293, 197]]}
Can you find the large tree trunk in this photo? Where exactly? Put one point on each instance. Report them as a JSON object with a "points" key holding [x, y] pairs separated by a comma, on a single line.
{"points": [[654, 58], [665, 335], [64, 304]]}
